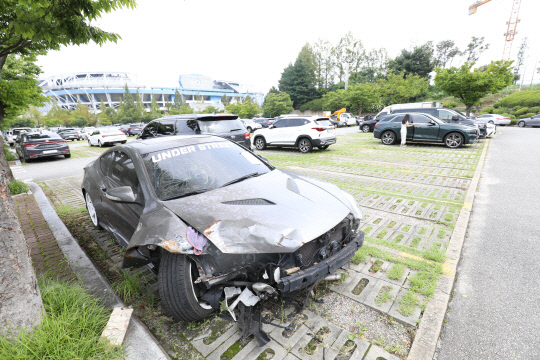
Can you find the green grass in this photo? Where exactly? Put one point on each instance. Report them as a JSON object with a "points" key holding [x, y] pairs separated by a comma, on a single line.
{"points": [[66, 210], [422, 231], [408, 303], [18, 187], [415, 241], [391, 224], [406, 228], [384, 295], [398, 238], [129, 287], [395, 272], [382, 234], [70, 329], [9, 154]]}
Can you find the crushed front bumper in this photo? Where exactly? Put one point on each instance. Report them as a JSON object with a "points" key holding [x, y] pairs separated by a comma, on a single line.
{"points": [[306, 277]]}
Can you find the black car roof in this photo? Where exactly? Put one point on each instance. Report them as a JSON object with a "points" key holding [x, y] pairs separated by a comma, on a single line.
{"points": [[167, 142], [200, 117]]}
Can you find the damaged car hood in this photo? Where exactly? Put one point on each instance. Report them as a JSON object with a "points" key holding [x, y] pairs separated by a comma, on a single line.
{"points": [[274, 213]]}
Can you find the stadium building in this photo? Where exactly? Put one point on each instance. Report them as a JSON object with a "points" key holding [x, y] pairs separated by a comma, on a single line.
{"points": [[91, 88]]}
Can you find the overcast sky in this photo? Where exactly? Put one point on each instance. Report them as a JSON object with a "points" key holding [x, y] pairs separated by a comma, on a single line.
{"points": [[253, 41]]}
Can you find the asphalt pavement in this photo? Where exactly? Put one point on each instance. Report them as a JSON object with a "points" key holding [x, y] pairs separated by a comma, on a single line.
{"points": [[50, 168], [495, 309]]}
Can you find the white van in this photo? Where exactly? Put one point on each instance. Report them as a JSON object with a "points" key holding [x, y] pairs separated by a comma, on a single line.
{"points": [[387, 110]]}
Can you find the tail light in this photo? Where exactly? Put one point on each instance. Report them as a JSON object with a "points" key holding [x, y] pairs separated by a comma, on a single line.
{"points": [[246, 135], [320, 129], [377, 125], [499, 118], [32, 145]]}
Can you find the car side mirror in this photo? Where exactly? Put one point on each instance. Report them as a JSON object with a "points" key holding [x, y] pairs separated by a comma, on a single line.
{"points": [[455, 117], [122, 194]]}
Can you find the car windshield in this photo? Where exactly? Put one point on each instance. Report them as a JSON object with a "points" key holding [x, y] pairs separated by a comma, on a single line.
{"points": [[220, 126], [198, 168]]}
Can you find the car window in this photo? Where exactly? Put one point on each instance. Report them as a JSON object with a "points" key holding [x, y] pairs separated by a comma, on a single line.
{"points": [[150, 130], [536, 116], [445, 114], [323, 122], [166, 127], [397, 118], [123, 171], [105, 163], [280, 123], [296, 122], [187, 127], [207, 166], [420, 119], [38, 136], [220, 126]]}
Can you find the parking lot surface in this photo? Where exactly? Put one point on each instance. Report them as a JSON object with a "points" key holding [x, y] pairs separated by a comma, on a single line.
{"points": [[411, 198], [495, 310]]}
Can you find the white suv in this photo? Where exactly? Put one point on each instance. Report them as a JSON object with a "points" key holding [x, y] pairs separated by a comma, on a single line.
{"points": [[301, 132]]}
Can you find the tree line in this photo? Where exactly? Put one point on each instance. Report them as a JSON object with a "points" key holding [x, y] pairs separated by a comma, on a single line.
{"points": [[328, 76]]}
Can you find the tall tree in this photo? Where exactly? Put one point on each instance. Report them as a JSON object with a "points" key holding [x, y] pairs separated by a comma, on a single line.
{"points": [[349, 55], [475, 49], [26, 28], [277, 104], [520, 59], [178, 100], [446, 52], [418, 61], [323, 52], [471, 85], [298, 80], [225, 100]]}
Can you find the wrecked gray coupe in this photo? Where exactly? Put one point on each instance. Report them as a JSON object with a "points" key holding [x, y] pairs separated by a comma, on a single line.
{"points": [[217, 222]]}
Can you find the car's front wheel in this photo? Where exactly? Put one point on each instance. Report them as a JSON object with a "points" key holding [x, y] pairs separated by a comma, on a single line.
{"points": [[365, 128], [304, 145], [453, 140], [100, 143], [179, 295], [388, 138], [491, 122], [521, 124], [260, 143], [89, 143], [92, 211]]}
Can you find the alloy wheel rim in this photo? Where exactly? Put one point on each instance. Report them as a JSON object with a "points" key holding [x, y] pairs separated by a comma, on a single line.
{"points": [[91, 210], [365, 128], [304, 147], [388, 138], [259, 144], [521, 124], [453, 140]]}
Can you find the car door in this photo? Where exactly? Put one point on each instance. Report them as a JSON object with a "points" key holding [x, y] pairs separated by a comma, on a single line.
{"points": [[424, 128], [94, 137], [275, 131], [535, 120], [295, 128], [123, 217]]}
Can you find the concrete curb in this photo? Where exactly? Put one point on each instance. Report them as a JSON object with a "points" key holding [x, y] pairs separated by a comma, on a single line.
{"points": [[427, 335], [139, 342]]}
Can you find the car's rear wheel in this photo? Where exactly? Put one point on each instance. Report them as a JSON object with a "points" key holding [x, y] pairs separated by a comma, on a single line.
{"points": [[388, 138], [260, 143], [92, 211], [521, 124], [304, 145], [491, 122], [365, 128], [453, 140], [179, 295], [67, 156]]}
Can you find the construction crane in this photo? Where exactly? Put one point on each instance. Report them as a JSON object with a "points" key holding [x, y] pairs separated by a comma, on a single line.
{"points": [[512, 24]]}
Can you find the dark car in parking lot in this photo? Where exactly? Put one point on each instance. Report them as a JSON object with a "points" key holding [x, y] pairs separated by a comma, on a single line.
{"points": [[227, 126], [70, 134], [210, 215], [369, 124], [41, 144], [131, 129], [265, 122], [427, 128]]}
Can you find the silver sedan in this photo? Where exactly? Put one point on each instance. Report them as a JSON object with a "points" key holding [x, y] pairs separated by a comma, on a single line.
{"points": [[530, 121], [494, 119]]}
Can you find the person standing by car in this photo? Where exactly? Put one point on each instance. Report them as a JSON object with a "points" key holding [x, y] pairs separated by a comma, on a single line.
{"points": [[404, 125]]}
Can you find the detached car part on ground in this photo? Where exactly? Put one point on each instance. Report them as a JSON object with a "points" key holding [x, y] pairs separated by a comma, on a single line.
{"points": [[427, 128], [217, 221]]}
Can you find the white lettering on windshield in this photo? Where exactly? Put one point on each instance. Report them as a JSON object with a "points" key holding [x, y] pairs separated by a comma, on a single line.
{"points": [[188, 149]]}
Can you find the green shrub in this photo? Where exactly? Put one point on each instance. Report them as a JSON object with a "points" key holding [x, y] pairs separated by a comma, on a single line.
{"points": [[17, 187], [535, 109], [526, 115], [487, 110], [313, 105], [450, 104], [474, 110], [521, 111], [497, 105], [527, 98]]}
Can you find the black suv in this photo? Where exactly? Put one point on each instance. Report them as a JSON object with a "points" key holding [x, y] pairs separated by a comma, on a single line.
{"points": [[449, 116], [227, 126]]}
